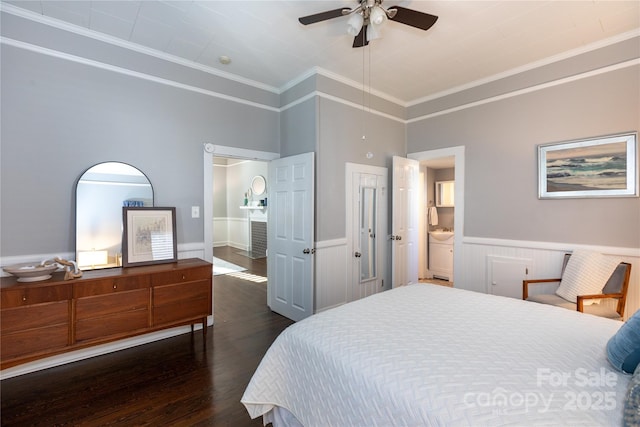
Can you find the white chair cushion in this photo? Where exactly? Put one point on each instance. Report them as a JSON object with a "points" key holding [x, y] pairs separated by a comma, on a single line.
{"points": [[586, 274]]}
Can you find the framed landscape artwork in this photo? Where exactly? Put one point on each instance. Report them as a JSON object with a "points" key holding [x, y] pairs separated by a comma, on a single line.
{"points": [[598, 167], [149, 236]]}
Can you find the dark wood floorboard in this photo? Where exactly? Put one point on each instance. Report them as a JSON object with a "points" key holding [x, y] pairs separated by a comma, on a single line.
{"points": [[178, 381]]}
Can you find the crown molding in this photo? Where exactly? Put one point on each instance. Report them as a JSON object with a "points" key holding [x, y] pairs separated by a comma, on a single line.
{"points": [[528, 67], [61, 25], [557, 82], [341, 79], [101, 65]]}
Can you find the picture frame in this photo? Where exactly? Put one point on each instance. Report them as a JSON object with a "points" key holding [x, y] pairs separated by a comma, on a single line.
{"points": [[596, 167], [149, 236]]}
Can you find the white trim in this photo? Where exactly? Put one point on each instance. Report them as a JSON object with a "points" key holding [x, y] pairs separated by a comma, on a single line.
{"points": [[62, 25], [530, 89], [241, 153], [339, 100], [359, 106], [587, 74], [528, 67], [551, 246], [119, 70], [299, 101], [27, 14], [330, 243], [341, 79]]}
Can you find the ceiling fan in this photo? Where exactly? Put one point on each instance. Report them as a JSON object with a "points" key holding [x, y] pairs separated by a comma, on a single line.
{"points": [[369, 15]]}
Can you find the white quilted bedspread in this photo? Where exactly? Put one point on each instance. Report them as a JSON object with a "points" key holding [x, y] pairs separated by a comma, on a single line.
{"points": [[427, 355]]}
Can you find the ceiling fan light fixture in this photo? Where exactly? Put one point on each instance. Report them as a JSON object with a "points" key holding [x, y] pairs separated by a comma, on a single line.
{"points": [[354, 25], [377, 16], [373, 32]]}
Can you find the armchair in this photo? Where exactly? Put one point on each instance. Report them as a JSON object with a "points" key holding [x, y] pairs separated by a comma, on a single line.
{"points": [[616, 287]]}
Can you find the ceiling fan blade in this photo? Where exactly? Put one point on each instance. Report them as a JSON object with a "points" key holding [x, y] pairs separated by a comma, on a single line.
{"points": [[413, 18], [361, 38], [323, 16]]}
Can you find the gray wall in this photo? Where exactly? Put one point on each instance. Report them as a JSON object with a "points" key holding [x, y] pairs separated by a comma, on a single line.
{"points": [[60, 117], [219, 188], [239, 176], [501, 141], [340, 141], [298, 128], [333, 130]]}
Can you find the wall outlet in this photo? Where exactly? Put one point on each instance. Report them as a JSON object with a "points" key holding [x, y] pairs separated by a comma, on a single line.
{"points": [[195, 211]]}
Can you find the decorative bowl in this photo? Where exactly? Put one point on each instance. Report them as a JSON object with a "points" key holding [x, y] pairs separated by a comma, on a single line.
{"points": [[31, 272]]}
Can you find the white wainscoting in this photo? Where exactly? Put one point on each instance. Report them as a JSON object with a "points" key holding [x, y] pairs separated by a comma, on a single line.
{"points": [[546, 262], [330, 274], [232, 232], [220, 231]]}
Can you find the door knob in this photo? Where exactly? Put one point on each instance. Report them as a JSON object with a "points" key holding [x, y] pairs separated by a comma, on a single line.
{"points": [[306, 251], [357, 254]]}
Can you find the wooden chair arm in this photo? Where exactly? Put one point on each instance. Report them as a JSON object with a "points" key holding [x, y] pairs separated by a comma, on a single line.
{"points": [[581, 298], [525, 285]]}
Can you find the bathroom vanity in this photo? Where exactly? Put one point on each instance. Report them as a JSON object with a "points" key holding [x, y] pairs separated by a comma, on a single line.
{"points": [[441, 254]]}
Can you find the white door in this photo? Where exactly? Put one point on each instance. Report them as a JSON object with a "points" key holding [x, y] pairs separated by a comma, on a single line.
{"points": [[366, 225], [290, 236], [404, 227]]}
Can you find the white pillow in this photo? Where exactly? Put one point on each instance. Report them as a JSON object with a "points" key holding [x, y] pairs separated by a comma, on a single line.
{"points": [[586, 274]]}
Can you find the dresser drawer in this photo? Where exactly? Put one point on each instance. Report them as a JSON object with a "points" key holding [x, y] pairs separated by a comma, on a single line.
{"points": [[103, 305], [110, 286], [181, 292], [33, 341], [19, 296], [102, 328], [36, 316], [181, 276], [175, 303]]}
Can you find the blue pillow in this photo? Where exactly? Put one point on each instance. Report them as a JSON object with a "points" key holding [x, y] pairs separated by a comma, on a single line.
{"points": [[632, 402], [623, 349]]}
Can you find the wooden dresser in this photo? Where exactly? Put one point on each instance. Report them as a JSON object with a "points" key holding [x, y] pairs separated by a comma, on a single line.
{"points": [[40, 319]]}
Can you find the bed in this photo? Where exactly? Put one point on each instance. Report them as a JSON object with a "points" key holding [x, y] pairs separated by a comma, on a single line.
{"points": [[430, 355]]}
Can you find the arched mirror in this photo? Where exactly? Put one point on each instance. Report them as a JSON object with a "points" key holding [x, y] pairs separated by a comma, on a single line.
{"points": [[258, 185], [101, 192]]}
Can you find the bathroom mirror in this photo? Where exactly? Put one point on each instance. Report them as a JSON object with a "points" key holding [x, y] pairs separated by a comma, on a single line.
{"points": [[258, 185], [101, 192], [367, 233], [445, 194]]}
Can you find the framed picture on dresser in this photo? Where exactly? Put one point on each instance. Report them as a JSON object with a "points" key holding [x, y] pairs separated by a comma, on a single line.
{"points": [[149, 235]]}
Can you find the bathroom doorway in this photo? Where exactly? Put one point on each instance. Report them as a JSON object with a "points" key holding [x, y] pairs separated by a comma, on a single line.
{"points": [[451, 159]]}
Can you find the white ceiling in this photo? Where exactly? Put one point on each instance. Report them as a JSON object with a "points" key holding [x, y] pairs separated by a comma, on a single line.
{"points": [[472, 40]]}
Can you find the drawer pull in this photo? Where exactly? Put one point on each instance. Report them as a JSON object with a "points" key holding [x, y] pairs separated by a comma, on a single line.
{"points": [[24, 298], [183, 277], [115, 286]]}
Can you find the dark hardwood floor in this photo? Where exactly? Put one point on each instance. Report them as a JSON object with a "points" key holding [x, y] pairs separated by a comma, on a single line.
{"points": [[178, 381]]}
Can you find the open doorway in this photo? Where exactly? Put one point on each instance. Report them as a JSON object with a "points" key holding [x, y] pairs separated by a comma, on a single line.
{"points": [[442, 159], [437, 220], [239, 220]]}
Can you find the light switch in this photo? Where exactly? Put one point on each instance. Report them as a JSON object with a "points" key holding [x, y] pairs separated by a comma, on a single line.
{"points": [[195, 211]]}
